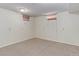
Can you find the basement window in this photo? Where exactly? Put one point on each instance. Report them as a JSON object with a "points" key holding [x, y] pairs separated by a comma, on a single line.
{"points": [[51, 17], [26, 18]]}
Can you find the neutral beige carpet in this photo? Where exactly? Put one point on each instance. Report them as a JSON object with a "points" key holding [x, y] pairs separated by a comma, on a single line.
{"points": [[39, 47]]}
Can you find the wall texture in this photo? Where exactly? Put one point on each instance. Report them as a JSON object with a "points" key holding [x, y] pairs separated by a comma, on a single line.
{"points": [[65, 29], [45, 29], [68, 28], [13, 29]]}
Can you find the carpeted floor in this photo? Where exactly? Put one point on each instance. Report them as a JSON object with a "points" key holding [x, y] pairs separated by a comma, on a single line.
{"points": [[39, 47]]}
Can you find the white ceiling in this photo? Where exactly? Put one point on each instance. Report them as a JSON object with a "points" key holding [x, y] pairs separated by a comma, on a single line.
{"points": [[36, 9], [74, 8]]}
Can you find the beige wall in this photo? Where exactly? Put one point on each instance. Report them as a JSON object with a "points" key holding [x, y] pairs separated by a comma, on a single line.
{"points": [[68, 28], [64, 30], [13, 29], [45, 29]]}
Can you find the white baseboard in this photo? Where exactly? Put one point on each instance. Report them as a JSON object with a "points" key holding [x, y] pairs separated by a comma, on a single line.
{"points": [[10, 43], [44, 38]]}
